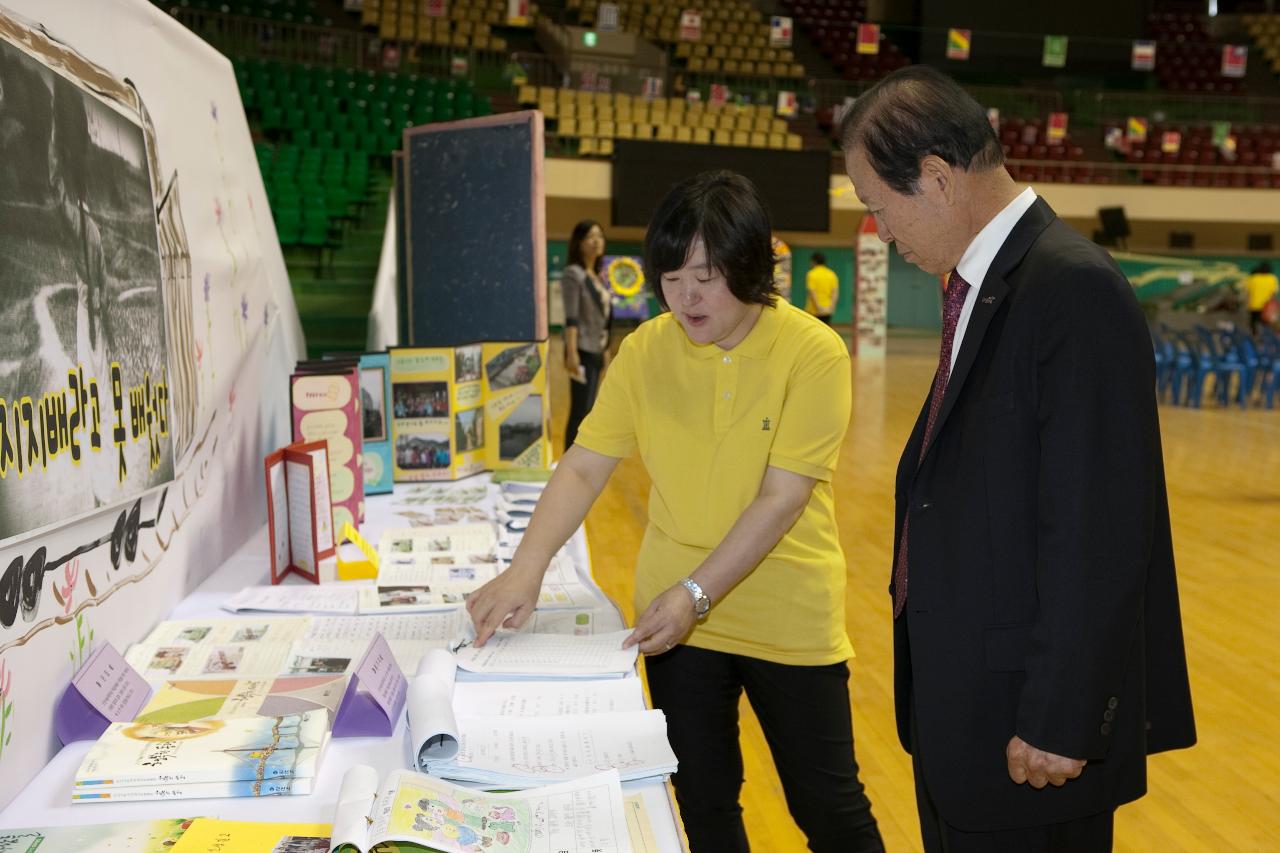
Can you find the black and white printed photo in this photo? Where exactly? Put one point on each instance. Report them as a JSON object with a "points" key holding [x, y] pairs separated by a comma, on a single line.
{"points": [[82, 284]]}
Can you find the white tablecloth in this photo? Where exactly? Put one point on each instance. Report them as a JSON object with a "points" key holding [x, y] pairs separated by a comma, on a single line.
{"points": [[46, 801]]}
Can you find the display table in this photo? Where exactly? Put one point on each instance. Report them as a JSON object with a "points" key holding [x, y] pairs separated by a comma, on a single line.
{"points": [[46, 801]]}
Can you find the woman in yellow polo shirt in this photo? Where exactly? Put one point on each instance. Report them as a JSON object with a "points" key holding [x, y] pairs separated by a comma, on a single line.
{"points": [[737, 403]]}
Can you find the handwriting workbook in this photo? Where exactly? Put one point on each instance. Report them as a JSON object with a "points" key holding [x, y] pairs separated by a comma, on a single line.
{"points": [[516, 734]]}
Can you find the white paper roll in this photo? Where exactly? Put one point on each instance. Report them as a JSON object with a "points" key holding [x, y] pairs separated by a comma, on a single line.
{"points": [[433, 730], [355, 804]]}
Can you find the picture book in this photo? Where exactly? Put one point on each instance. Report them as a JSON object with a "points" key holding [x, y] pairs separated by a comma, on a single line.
{"points": [[185, 701], [326, 407], [161, 755], [135, 836], [210, 835], [437, 413], [412, 809], [517, 413], [299, 512], [460, 410]]}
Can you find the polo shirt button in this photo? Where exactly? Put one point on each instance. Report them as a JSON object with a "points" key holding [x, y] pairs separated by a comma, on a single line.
{"points": [[728, 394], [728, 359], [1105, 728]]}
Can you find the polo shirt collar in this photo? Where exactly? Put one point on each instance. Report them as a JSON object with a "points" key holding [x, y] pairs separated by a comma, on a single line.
{"points": [[756, 344]]}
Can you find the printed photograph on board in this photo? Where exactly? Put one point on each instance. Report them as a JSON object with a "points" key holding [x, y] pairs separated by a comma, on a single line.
{"points": [[421, 399], [514, 366], [373, 403], [82, 302], [470, 430], [521, 428]]}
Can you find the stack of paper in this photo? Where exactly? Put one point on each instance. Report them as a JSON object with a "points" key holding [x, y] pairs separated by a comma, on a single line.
{"points": [[240, 757], [516, 734]]}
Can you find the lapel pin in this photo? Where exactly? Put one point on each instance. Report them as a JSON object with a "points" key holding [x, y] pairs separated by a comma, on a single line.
{"points": [[988, 300]]}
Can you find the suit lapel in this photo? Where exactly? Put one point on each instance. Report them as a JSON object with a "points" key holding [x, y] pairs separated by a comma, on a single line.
{"points": [[990, 297]]}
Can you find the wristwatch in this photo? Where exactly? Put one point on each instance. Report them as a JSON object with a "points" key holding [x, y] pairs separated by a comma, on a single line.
{"points": [[701, 604]]}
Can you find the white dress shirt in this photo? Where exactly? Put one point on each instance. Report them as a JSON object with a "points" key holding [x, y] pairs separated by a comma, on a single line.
{"points": [[982, 251]]}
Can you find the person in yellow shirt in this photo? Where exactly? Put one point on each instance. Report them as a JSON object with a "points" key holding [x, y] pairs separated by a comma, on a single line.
{"points": [[822, 287], [737, 403], [1260, 288]]}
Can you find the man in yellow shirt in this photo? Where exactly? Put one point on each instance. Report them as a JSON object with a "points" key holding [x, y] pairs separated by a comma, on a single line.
{"points": [[1260, 288], [823, 289], [737, 403]]}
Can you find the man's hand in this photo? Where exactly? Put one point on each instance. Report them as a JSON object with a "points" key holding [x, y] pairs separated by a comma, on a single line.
{"points": [[666, 621], [1028, 764]]}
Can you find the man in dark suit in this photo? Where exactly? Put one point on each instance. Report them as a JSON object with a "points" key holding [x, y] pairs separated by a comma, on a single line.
{"points": [[1037, 639]]}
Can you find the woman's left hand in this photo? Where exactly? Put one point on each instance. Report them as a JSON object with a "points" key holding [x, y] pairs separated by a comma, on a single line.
{"points": [[666, 621]]}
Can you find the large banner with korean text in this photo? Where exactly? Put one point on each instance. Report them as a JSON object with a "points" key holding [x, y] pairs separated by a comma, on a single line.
{"points": [[149, 327]]}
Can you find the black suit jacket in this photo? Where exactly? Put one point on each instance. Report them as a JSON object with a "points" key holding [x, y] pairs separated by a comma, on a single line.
{"points": [[1042, 598]]}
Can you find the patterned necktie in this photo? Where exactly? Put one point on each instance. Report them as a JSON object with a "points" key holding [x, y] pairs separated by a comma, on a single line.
{"points": [[953, 303]]}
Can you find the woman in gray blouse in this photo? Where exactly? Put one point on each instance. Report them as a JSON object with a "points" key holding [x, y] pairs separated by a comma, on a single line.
{"points": [[587, 311]]}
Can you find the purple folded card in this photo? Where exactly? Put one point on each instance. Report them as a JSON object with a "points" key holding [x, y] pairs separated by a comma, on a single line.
{"points": [[106, 690], [375, 697]]}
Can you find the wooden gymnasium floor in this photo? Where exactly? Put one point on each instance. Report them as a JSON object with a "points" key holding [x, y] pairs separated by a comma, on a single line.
{"points": [[1223, 469]]}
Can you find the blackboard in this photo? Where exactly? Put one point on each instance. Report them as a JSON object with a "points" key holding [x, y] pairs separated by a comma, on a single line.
{"points": [[402, 263], [475, 220]]}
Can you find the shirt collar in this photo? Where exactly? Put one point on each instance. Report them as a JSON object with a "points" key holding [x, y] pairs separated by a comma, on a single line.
{"points": [[982, 251], [756, 344]]}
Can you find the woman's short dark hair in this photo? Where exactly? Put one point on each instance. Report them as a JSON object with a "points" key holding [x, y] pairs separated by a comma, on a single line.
{"points": [[912, 113], [580, 232], [726, 211], [818, 258], [1261, 269]]}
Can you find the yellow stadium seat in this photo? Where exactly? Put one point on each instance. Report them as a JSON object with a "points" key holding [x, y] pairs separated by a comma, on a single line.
{"points": [[605, 129], [778, 141], [586, 127], [665, 133], [567, 127], [759, 140], [587, 145], [794, 143], [625, 130], [526, 95], [741, 138], [605, 147], [702, 136]]}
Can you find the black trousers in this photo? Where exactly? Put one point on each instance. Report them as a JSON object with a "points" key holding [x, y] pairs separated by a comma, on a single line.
{"points": [[804, 712], [582, 395], [1091, 834]]}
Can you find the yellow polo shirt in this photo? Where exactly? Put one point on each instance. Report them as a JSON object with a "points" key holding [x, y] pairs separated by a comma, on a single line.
{"points": [[822, 286], [1260, 287], [707, 422]]}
